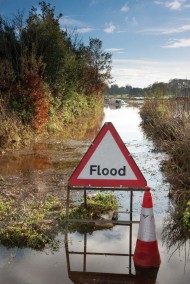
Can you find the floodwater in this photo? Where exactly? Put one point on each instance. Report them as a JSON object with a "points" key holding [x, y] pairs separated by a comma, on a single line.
{"points": [[103, 256]]}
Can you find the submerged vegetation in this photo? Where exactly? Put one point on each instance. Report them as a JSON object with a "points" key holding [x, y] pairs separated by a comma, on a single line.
{"points": [[48, 77], [35, 223], [28, 224], [168, 123], [95, 207]]}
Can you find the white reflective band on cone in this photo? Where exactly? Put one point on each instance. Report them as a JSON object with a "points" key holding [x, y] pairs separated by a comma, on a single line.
{"points": [[146, 231]]}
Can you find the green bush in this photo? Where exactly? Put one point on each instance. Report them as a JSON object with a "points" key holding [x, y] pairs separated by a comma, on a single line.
{"points": [[186, 217]]}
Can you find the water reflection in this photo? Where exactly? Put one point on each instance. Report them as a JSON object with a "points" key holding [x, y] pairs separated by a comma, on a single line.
{"points": [[24, 163], [89, 262]]}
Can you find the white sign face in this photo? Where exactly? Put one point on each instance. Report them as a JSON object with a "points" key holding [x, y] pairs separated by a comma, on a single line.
{"points": [[107, 162]]}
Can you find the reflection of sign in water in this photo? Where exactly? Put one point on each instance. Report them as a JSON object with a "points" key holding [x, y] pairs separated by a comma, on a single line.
{"points": [[90, 278], [88, 273], [101, 278], [107, 163]]}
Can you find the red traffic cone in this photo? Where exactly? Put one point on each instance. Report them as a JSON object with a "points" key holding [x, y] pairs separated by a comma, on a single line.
{"points": [[146, 252]]}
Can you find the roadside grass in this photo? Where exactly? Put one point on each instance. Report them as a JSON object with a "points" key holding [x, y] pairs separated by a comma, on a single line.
{"points": [[186, 217], [13, 133], [167, 122], [176, 226], [75, 112]]}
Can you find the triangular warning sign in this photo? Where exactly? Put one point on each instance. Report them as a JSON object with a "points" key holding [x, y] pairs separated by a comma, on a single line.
{"points": [[107, 163]]}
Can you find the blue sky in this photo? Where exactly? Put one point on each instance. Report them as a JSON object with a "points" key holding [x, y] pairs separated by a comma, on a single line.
{"points": [[149, 39]]}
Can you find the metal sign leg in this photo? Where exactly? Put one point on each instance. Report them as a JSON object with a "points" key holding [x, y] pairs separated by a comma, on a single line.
{"points": [[130, 232]]}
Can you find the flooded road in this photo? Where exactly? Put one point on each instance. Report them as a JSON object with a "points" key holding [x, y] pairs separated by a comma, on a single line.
{"points": [[104, 252]]}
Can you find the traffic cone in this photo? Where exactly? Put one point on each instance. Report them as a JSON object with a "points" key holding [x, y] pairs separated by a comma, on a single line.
{"points": [[146, 253]]}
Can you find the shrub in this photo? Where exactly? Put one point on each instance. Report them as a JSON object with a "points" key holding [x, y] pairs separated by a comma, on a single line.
{"points": [[168, 123], [186, 217]]}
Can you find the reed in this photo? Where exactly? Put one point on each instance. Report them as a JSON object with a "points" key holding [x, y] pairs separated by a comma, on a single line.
{"points": [[167, 122]]}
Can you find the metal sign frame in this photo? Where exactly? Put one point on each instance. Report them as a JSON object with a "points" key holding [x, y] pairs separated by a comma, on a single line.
{"points": [[76, 183], [84, 274], [115, 222]]}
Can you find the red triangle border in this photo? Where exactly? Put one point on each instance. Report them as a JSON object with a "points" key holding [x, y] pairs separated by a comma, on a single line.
{"points": [[107, 183]]}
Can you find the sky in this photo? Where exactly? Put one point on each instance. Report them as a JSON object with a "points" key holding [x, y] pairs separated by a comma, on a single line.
{"points": [[149, 39]]}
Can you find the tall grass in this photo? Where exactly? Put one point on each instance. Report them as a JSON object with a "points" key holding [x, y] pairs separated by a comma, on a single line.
{"points": [[75, 115], [13, 134], [167, 122]]}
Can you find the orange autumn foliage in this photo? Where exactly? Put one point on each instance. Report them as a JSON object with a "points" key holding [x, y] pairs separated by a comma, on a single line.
{"points": [[33, 83], [32, 91]]}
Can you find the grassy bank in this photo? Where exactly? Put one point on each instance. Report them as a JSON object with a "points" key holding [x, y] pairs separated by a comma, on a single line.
{"points": [[64, 118], [167, 122], [74, 108]]}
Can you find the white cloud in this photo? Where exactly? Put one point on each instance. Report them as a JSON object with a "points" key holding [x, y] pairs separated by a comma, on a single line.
{"points": [[67, 21], [84, 30], [177, 43], [125, 8], [110, 29], [158, 2], [181, 29], [79, 26], [114, 49], [142, 73], [174, 4]]}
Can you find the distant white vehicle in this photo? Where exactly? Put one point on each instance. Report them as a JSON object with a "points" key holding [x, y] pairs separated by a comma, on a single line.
{"points": [[117, 102]]}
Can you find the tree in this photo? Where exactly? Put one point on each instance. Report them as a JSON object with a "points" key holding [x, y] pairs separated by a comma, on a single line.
{"points": [[43, 33], [136, 92], [68, 66], [9, 47], [157, 90], [128, 89], [97, 63]]}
